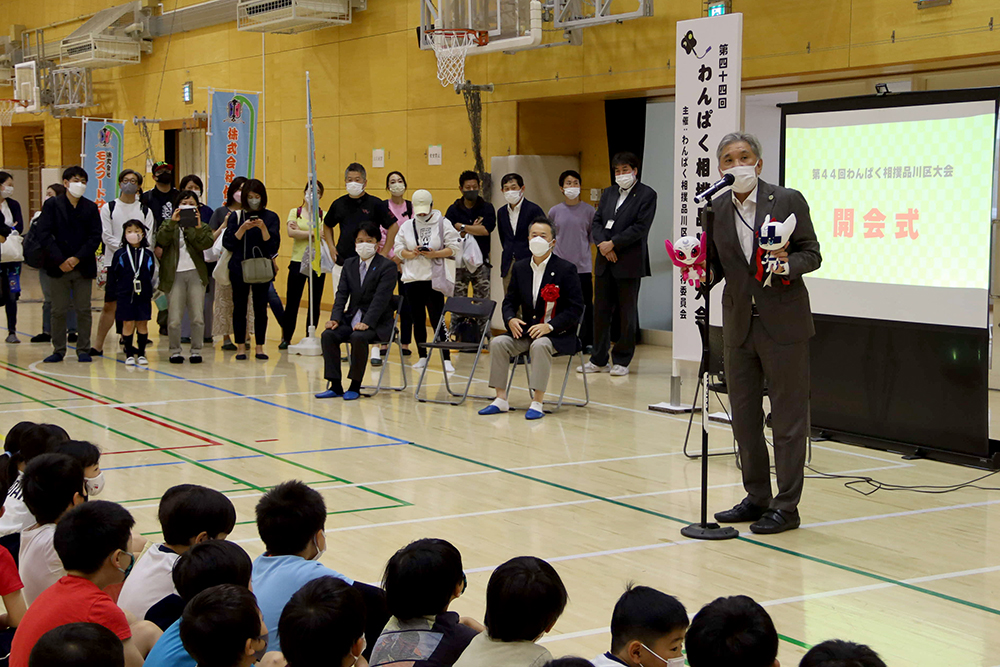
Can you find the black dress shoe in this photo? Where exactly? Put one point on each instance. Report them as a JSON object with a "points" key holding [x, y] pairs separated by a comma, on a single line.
{"points": [[745, 511], [776, 521]]}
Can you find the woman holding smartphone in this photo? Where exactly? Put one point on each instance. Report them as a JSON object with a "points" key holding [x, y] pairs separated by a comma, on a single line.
{"points": [[183, 272], [255, 234]]}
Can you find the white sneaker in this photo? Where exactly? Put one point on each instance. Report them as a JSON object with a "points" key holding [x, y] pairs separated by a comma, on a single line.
{"points": [[448, 368], [619, 371], [591, 368], [421, 362], [142, 361], [375, 354], [130, 361]]}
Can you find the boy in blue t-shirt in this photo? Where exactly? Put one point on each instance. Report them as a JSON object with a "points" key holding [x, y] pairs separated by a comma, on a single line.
{"points": [[291, 519]]}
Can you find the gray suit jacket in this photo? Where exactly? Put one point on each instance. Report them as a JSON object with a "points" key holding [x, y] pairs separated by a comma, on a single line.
{"points": [[783, 306]]}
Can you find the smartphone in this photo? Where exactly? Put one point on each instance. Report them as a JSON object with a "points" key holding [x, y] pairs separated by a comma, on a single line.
{"points": [[423, 248], [188, 216]]}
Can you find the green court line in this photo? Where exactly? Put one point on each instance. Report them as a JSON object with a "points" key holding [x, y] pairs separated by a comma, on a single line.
{"points": [[360, 509], [133, 438], [302, 466], [644, 510], [796, 642], [146, 500]]}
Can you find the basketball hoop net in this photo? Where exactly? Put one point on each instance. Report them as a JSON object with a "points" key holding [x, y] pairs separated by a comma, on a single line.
{"points": [[451, 45], [7, 108]]}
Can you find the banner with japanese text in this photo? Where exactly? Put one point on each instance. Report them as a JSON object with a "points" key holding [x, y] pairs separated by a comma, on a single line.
{"points": [[708, 96], [103, 153], [232, 147]]}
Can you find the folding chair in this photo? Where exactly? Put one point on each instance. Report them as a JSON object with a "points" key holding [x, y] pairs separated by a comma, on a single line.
{"points": [[525, 359], [457, 307], [396, 303], [718, 386]]}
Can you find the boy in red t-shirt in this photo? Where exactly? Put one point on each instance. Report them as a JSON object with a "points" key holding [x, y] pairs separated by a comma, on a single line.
{"points": [[92, 542]]}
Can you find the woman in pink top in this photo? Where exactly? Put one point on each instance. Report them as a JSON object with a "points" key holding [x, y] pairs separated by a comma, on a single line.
{"points": [[401, 209]]}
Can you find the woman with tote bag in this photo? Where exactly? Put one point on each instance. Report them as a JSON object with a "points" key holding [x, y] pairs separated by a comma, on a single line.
{"points": [[253, 239]]}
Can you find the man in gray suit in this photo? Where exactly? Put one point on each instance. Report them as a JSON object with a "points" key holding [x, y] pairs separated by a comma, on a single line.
{"points": [[766, 329]]}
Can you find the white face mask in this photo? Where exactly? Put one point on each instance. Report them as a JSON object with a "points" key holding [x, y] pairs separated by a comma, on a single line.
{"points": [[77, 189], [397, 188], [355, 189], [746, 177], [538, 246], [133, 238], [671, 662], [253, 203], [572, 193], [512, 196], [95, 484], [197, 193], [365, 250], [625, 181], [7, 191], [319, 552], [422, 217]]}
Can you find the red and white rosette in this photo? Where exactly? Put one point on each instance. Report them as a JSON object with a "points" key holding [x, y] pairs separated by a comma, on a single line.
{"points": [[550, 294]]}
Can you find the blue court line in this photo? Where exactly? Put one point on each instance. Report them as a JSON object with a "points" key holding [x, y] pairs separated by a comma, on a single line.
{"points": [[397, 441], [257, 456], [306, 451]]}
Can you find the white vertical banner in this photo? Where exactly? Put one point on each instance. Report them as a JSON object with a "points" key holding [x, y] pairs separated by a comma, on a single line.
{"points": [[708, 94]]}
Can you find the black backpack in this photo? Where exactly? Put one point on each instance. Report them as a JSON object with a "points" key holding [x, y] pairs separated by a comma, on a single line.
{"points": [[34, 248]]}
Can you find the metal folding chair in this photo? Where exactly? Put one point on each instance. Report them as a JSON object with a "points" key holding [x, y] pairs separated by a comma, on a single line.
{"points": [[457, 307], [396, 303], [526, 358]]}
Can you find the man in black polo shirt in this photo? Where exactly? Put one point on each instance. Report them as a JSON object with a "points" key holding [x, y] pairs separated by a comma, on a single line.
{"points": [[348, 211], [69, 230], [471, 214]]}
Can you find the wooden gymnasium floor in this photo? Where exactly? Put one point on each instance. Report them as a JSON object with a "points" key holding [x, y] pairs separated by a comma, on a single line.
{"points": [[601, 492]]}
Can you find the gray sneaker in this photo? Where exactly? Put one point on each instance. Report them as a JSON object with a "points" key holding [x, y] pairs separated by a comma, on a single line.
{"points": [[12, 338]]}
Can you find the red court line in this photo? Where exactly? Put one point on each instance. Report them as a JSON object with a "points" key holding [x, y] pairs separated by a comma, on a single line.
{"points": [[271, 440], [125, 410]]}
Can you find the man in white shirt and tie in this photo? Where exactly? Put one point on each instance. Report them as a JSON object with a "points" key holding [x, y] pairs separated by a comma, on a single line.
{"points": [[542, 309], [362, 312], [513, 221]]}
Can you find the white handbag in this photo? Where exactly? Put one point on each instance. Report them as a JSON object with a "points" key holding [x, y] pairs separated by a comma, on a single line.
{"points": [[12, 250], [221, 273], [472, 255]]}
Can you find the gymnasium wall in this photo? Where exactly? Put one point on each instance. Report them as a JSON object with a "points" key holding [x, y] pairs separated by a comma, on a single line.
{"points": [[372, 88]]}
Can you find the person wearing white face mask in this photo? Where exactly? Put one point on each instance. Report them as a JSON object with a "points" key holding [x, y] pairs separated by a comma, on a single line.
{"points": [[347, 212], [11, 221], [620, 229], [361, 312], [513, 222], [70, 229], [114, 215], [573, 218], [194, 183], [767, 331], [421, 243], [300, 219], [542, 310], [647, 630], [54, 190]]}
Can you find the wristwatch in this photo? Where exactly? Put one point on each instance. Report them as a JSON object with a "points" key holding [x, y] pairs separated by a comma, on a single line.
{"points": [[463, 227]]}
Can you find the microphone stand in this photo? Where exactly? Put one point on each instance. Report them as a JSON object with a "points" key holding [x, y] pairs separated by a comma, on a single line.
{"points": [[705, 530]]}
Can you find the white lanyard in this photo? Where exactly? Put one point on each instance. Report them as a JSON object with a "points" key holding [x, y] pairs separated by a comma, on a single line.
{"points": [[136, 283]]}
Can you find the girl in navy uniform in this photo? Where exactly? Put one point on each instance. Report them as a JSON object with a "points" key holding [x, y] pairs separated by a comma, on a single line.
{"points": [[131, 278]]}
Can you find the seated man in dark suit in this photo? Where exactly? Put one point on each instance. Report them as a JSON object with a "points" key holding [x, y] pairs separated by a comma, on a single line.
{"points": [[542, 309], [367, 281]]}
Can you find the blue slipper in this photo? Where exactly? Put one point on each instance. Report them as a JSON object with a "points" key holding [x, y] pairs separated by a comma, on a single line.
{"points": [[533, 414], [491, 410], [53, 358], [329, 393], [83, 358], [351, 395]]}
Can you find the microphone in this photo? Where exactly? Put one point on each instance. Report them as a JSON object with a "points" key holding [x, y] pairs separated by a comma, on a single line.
{"points": [[724, 182]]}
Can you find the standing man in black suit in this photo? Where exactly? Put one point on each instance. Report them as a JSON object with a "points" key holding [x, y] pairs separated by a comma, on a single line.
{"points": [[513, 221], [621, 227], [367, 282], [542, 310], [766, 331]]}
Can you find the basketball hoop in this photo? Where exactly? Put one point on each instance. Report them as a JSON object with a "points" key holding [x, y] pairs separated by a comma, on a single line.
{"points": [[7, 108], [451, 45]]}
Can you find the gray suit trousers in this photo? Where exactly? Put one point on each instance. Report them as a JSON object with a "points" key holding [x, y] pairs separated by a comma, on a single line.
{"points": [[786, 368]]}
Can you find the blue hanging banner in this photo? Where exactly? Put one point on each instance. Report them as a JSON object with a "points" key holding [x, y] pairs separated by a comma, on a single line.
{"points": [[103, 154], [232, 147]]}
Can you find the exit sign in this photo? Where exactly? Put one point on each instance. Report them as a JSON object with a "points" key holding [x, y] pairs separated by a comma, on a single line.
{"points": [[719, 8]]}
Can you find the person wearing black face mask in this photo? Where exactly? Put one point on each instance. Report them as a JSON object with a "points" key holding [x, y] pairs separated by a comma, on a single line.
{"points": [[473, 215], [160, 202]]}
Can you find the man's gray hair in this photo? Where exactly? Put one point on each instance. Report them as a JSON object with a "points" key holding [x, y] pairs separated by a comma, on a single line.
{"points": [[734, 137], [354, 166]]}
